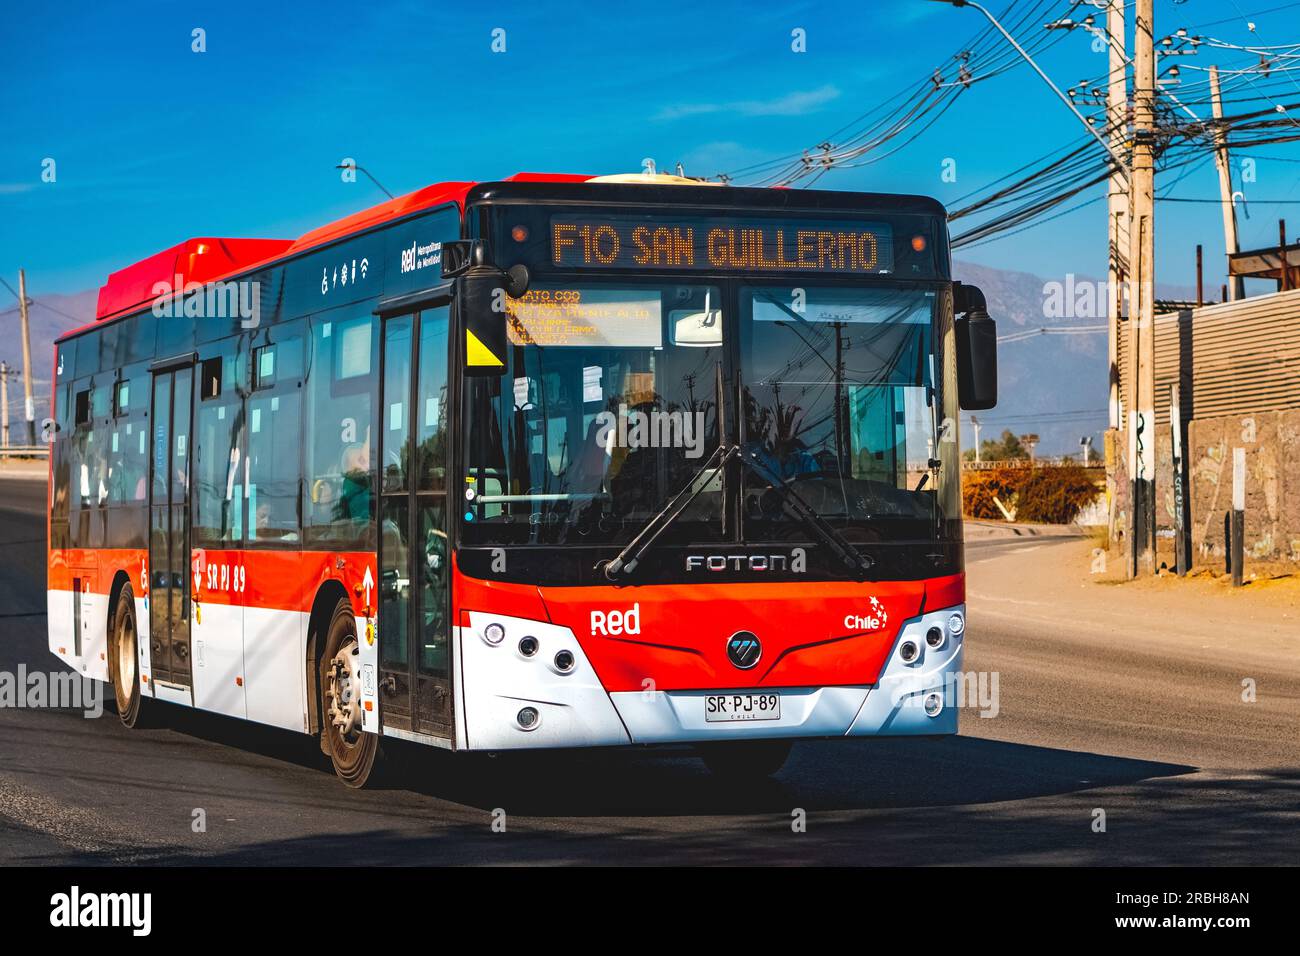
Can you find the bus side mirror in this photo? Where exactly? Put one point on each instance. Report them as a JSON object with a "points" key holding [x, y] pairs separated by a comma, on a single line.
{"points": [[481, 312], [977, 350], [481, 291]]}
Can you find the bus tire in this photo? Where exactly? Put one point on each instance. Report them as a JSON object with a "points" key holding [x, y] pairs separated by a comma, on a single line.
{"points": [[355, 754], [124, 661], [745, 759]]}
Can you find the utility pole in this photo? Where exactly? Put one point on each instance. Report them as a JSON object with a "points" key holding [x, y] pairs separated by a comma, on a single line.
{"points": [[975, 424], [1116, 200], [29, 407], [4, 404], [1117, 234], [1236, 284], [1283, 279], [1142, 326], [1200, 278]]}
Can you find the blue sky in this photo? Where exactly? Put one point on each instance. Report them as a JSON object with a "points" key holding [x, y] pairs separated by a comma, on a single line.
{"points": [[155, 143]]}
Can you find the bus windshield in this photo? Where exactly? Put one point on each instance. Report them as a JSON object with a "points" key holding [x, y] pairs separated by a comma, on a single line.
{"points": [[608, 408], [841, 406], [608, 405]]}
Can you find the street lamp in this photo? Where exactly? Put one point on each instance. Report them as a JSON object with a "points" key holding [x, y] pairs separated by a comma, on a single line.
{"points": [[1120, 165], [354, 167]]}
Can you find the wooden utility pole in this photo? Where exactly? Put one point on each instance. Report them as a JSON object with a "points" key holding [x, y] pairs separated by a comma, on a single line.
{"points": [[4, 404], [1142, 326], [29, 407], [1200, 278], [1116, 202], [1236, 284], [1283, 279]]}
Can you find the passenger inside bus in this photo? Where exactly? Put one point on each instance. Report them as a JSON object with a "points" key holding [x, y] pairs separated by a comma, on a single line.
{"points": [[344, 494]]}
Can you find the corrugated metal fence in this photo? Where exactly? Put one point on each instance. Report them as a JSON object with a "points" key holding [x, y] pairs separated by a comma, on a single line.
{"points": [[1233, 358]]}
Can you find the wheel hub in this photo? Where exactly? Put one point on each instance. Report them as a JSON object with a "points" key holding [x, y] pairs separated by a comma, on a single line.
{"points": [[345, 691]]}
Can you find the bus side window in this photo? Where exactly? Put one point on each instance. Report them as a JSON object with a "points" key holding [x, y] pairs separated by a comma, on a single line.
{"points": [[338, 491], [217, 467], [274, 411]]}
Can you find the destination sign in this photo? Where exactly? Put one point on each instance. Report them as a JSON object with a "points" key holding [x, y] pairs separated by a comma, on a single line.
{"points": [[594, 242]]}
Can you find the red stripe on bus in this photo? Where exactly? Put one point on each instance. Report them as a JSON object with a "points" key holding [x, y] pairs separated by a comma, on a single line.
{"points": [[275, 580], [675, 635]]}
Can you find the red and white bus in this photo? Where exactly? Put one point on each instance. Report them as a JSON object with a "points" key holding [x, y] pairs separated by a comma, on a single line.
{"points": [[556, 461]]}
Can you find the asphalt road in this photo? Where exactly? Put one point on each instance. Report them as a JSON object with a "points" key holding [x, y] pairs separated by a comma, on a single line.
{"points": [[1090, 718]]}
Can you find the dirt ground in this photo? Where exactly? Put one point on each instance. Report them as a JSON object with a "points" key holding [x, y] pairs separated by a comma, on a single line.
{"points": [[1260, 589], [1046, 578]]}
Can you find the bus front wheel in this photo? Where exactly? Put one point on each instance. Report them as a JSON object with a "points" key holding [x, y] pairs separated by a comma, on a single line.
{"points": [[354, 753], [124, 660], [745, 759]]}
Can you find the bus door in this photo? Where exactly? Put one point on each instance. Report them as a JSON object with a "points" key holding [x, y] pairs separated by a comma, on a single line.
{"points": [[169, 546], [414, 571]]}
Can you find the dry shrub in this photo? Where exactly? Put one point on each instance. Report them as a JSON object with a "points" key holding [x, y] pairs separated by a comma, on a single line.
{"points": [[1055, 495], [979, 488], [1051, 495]]}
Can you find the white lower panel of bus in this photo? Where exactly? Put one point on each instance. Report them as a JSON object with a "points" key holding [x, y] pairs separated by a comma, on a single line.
{"points": [[245, 662], [217, 659], [92, 658], [674, 716], [498, 682], [249, 662]]}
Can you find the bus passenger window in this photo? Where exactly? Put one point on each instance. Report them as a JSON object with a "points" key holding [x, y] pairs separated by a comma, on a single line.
{"points": [[273, 468], [338, 506]]}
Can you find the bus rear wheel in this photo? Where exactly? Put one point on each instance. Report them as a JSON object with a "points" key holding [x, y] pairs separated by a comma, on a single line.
{"points": [[745, 759], [354, 753], [124, 660]]}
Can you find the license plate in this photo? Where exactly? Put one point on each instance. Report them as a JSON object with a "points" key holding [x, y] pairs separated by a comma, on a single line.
{"points": [[728, 707]]}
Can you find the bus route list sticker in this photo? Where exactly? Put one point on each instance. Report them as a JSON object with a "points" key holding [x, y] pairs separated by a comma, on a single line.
{"points": [[587, 318]]}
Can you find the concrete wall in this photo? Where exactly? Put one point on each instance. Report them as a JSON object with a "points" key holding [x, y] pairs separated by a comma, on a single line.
{"points": [[1272, 443]]}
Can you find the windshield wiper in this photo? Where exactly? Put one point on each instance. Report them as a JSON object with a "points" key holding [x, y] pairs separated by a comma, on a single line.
{"points": [[625, 561], [795, 504]]}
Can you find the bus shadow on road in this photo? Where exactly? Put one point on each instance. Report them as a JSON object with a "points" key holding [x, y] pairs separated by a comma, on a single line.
{"points": [[857, 774], [864, 802], [838, 774]]}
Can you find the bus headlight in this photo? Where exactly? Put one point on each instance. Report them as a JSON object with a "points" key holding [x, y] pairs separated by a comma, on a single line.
{"points": [[527, 718], [908, 651], [494, 633], [956, 624], [933, 704], [934, 637]]}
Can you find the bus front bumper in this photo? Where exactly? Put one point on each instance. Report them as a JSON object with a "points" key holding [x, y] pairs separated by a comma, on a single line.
{"points": [[918, 692], [916, 696]]}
